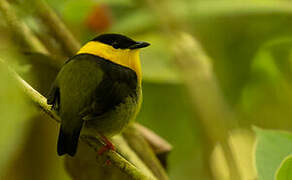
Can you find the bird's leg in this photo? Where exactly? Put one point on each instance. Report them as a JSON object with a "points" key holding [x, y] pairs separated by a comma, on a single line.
{"points": [[108, 145]]}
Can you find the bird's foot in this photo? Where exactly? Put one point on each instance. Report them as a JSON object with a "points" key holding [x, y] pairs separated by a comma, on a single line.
{"points": [[108, 146]]}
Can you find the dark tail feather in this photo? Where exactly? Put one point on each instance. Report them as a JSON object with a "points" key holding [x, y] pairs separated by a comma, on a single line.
{"points": [[68, 141]]}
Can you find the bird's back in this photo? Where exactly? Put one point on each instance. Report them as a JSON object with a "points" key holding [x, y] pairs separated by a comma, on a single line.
{"points": [[77, 81]]}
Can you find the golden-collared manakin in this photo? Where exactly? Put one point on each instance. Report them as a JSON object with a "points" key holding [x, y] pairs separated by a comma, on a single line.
{"points": [[98, 90]]}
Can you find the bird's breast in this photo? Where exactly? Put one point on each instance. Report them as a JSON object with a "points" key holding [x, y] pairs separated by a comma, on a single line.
{"points": [[117, 119]]}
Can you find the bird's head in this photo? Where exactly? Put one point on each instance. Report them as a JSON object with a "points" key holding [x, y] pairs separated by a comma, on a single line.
{"points": [[118, 41], [116, 48]]}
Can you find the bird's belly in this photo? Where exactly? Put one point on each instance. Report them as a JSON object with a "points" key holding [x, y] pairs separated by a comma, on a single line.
{"points": [[114, 121]]}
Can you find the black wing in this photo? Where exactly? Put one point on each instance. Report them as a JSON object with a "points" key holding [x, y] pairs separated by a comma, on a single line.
{"points": [[118, 83]]}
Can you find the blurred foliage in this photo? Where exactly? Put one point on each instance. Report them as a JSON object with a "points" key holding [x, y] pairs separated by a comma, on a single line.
{"points": [[250, 45]]}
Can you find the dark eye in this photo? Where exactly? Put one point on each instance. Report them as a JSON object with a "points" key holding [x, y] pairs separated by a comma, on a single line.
{"points": [[115, 45]]}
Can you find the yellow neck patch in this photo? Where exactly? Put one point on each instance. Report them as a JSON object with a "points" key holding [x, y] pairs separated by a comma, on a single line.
{"points": [[124, 57]]}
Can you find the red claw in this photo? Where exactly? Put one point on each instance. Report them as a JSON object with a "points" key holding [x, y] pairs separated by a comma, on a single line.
{"points": [[108, 146]]}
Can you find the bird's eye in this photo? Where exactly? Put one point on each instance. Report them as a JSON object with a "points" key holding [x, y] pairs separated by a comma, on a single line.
{"points": [[115, 45]]}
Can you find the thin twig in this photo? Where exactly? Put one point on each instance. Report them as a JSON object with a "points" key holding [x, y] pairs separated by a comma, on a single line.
{"points": [[158, 144], [144, 151]]}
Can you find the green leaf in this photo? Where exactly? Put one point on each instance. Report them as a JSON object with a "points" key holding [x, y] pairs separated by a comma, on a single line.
{"points": [[271, 148], [285, 170]]}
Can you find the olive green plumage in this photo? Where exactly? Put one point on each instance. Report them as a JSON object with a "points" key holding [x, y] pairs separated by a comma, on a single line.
{"points": [[94, 95]]}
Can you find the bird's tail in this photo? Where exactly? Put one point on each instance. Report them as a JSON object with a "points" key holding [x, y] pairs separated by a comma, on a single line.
{"points": [[68, 140]]}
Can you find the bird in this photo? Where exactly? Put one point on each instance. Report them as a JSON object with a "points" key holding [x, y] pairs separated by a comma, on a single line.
{"points": [[98, 90]]}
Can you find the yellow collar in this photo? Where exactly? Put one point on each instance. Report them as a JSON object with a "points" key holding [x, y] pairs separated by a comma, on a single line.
{"points": [[125, 57]]}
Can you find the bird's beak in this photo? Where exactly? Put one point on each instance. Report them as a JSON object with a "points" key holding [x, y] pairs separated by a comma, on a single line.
{"points": [[139, 44]]}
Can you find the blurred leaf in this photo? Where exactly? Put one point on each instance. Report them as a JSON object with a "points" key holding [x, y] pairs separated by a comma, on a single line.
{"points": [[281, 49], [264, 67], [285, 170], [265, 74], [267, 95], [271, 148]]}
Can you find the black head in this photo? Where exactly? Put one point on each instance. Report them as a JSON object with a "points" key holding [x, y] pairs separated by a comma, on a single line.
{"points": [[118, 41]]}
